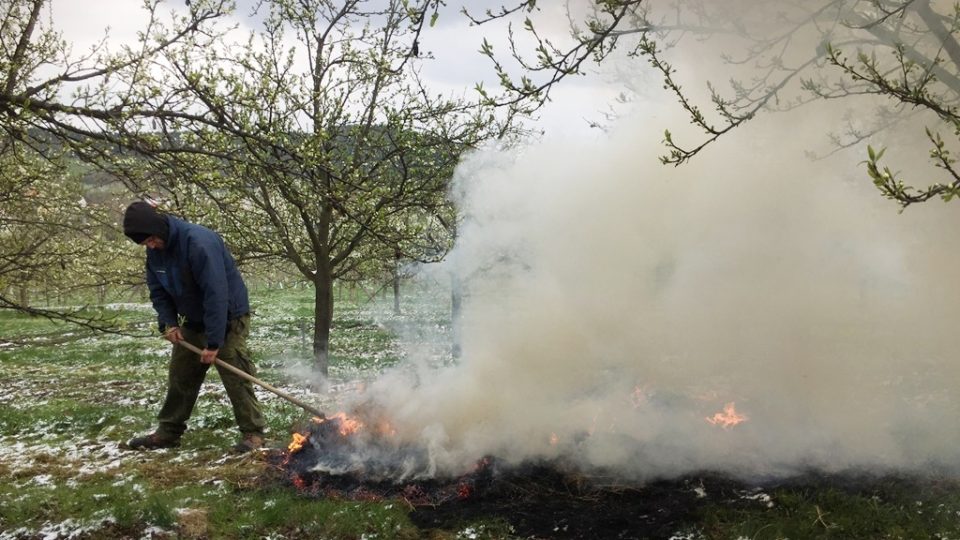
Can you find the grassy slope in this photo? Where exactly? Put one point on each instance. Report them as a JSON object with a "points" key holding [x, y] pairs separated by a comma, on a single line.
{"points": [[68, 401]]}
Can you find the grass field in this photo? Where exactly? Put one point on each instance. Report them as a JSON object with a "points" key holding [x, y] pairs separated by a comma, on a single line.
{"points": [[68, 400]]}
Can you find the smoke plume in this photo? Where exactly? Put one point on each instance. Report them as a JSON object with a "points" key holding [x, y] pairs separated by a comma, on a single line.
{"points": [[615, 305]]}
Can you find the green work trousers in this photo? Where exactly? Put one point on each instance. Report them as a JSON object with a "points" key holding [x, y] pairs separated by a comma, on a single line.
{"points": [[186, 375]]}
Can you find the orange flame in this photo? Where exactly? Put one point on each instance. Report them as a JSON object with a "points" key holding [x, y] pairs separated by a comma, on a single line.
{"points": [[728, 418], [554, 439], [348, 425], [297, 443]]}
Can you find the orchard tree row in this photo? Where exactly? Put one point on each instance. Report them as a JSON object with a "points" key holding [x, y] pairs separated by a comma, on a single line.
{"points": [[311, 142]]}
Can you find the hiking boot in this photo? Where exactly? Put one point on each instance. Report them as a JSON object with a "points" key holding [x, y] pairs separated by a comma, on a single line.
{"points": [[250, 441], [153, 441]]}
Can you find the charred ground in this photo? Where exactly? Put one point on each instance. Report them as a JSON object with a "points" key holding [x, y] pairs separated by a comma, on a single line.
{"points": [[542, 501], [553, 500]]}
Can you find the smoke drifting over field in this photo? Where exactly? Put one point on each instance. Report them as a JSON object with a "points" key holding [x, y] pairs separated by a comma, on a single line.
{"points": [[614, 304]]}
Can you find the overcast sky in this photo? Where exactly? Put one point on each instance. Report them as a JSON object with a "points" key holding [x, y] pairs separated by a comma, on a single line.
{"points": [[456, 67]]}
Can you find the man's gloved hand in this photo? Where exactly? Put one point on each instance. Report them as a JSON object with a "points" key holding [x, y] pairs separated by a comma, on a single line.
{"points": [[173, 335], [209, 355]]}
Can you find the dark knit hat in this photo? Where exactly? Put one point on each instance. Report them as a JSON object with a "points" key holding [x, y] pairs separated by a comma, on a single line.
{"points": [[141, 221]]}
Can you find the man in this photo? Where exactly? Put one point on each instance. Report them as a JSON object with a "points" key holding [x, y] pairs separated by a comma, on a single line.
{"points": [[200, 298]]}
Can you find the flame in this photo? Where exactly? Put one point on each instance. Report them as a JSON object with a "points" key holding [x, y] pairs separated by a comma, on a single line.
{"points": [[554, 439], [297, 443], [728, 418], [348, 425]]}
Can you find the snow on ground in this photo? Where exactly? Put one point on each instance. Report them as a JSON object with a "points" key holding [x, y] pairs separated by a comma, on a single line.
{"points": [[81, 456], [66, 529], [54, 446]]}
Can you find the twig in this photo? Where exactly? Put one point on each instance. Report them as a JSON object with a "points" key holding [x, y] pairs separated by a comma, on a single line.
{"points": [[820, 515]]}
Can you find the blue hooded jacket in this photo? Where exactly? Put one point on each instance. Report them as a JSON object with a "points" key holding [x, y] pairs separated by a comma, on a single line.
{"points": [[194, 276]]}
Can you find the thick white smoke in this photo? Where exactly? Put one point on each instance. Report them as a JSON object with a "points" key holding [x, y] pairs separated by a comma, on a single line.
{"points": [[615, 304]]}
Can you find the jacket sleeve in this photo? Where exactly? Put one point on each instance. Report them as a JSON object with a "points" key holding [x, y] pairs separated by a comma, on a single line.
{"points": [[162, 301], [205, 256]]}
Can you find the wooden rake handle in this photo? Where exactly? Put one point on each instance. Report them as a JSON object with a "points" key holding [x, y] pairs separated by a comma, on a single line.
{"points": [[243, 374]]}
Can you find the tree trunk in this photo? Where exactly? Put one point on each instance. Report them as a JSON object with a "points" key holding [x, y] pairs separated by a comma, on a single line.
{"points": [[456, 312], [24, 296], [322, 320], [396, 283], [396, 294], [935, 23]]}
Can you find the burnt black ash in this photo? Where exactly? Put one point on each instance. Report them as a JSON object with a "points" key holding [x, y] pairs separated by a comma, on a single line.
{"points": [[548, 499], [538, 500]]}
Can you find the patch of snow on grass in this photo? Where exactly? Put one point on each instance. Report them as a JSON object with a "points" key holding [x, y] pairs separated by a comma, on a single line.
{"points": [[696, 535], [150, 533], [45, 480], [15, 534], [129, 306], [760, 497], [70, 528]]}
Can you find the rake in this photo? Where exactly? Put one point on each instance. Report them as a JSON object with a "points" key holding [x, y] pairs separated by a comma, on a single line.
{"points": [[243, 374]]}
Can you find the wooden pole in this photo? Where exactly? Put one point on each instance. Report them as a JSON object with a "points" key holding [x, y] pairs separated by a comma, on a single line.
{"points": [[243, 374]]}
